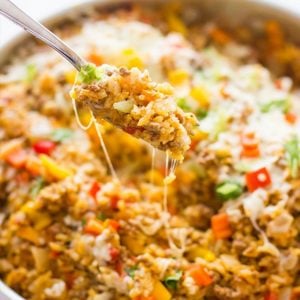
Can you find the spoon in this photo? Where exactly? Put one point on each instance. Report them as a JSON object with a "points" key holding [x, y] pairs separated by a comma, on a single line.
{"points": [[19, 17]]}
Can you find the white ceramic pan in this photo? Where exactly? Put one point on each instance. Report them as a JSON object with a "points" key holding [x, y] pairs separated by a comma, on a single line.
{"points": [[231, 12]]}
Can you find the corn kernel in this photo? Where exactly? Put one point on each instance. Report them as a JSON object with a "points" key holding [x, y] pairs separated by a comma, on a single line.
{"points": [[70, 76], [201, 95], [178, 76], [176, 24], [203, 253], [131, 59]]}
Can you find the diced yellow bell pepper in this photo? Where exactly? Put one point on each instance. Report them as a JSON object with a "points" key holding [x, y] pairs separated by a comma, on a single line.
{"points": [[223, 153], [135, 244], [30, 234], [178, 76], [203, 253], [160, 292], [200, 135], [131, 59], [176, 24], [53, 169], [201, 95], [70, 76], [41, 221]]}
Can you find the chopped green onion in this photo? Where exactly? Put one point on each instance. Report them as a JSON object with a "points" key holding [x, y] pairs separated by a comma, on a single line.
{"points": [[89, 73], [36, 187], [171, 282], [229, 190], [131, 271], [182, 103], [282, 105], [84, 221], [201, 113], [31, 73], [293, 156], [61, 134]]}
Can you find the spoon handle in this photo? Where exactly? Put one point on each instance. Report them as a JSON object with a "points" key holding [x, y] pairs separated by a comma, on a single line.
{"points": [[15, 14]]}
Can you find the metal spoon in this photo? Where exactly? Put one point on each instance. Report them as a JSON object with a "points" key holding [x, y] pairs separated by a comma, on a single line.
{"points": [[15, 14]]}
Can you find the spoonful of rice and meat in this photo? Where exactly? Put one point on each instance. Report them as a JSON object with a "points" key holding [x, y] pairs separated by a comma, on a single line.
{"points": [[130, 100]]}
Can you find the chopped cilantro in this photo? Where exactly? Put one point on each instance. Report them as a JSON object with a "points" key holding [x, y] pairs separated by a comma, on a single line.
{"points": [[182, 103], [282, 105], [201, 113], [89, 73], [131, 270], [61, 134], [229, 190], [101, 216], [293, 156], [38, 184], [171, 281]]}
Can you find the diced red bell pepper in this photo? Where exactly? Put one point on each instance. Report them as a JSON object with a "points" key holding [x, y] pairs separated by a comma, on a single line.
{"points": [[17, 158], [114, 253], [291, 118], [95, 188], [114, 202], [113, 224], [271, 296], [44, 147], [258, 179], [130, 130]]}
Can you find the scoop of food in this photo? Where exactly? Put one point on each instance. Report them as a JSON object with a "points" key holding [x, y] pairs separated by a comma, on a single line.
{"points": [[130, 100]]}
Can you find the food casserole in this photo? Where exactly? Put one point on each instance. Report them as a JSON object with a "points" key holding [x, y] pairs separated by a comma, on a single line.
{"points": [[230, 227]]}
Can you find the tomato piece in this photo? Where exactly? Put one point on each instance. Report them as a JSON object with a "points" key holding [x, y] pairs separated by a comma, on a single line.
{"points": [[113, 224], [271, 296], [44, 147], [114, 202], [114, 253], [130, 130], [95, 188], [258, 179]]}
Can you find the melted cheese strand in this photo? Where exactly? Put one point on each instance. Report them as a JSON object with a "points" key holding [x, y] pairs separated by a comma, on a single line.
{"points": [[172, 245], [78, 118], [107, 157], [152, 165]]}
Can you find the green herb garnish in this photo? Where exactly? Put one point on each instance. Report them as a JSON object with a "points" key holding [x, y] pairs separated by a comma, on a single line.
{"points": [[89, 73], [61, 134], [38, 184], [171, 282], [101, 216], [282, 105], [228, 190], [131, 271], [201, 113], [182, 103], [31, 73], [293, 156]]}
